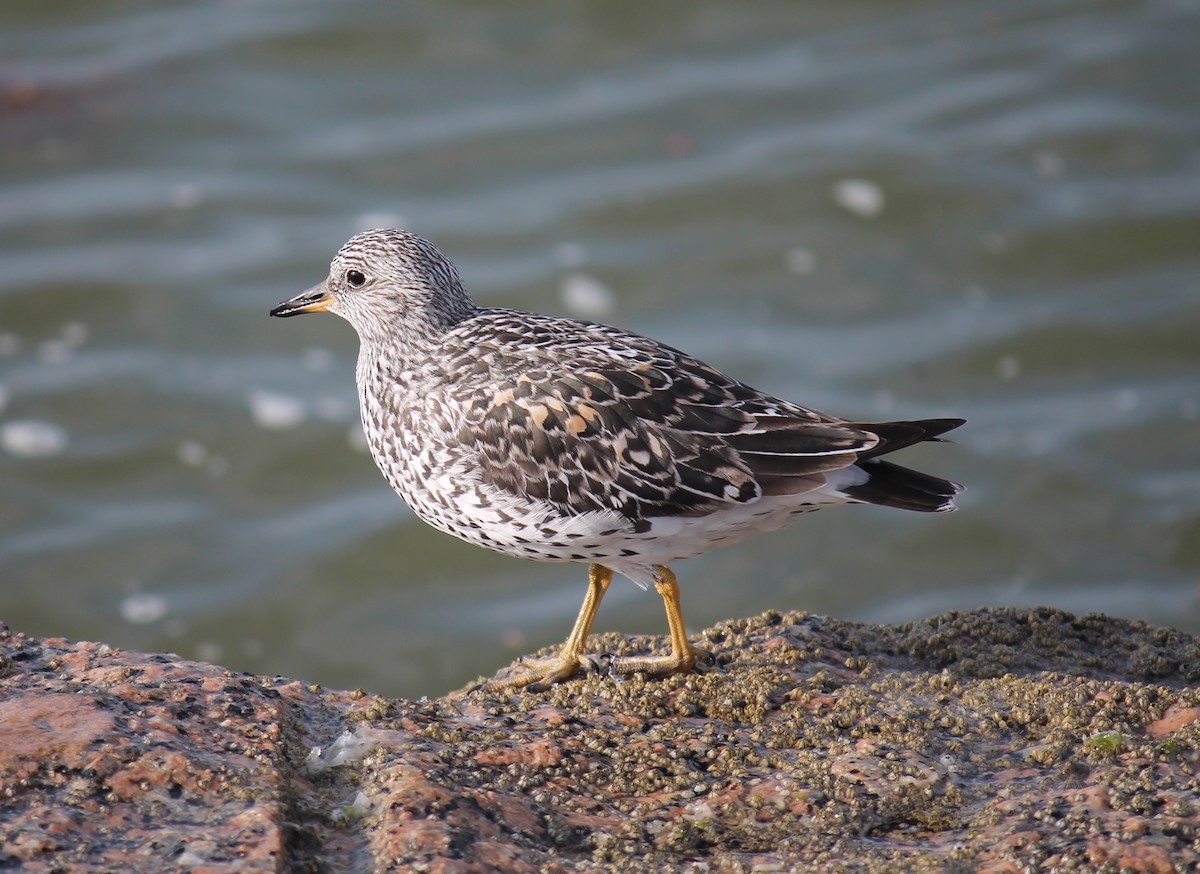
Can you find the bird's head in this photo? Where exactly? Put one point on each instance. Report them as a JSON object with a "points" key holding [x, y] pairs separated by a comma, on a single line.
{"points": [[385, 283]]}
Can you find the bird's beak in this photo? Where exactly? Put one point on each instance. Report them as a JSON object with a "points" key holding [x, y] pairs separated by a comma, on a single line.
{"points": [[316, 300]]}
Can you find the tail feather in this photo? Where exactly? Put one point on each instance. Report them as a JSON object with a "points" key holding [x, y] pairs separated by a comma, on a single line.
{"points": [[889, 484], [897, 435]]}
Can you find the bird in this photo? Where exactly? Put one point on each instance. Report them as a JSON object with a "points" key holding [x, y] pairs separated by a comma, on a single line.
{"points": [[564, 440]]}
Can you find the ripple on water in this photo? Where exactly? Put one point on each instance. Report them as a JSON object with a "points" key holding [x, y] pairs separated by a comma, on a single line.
{"points": [[932, 210]]}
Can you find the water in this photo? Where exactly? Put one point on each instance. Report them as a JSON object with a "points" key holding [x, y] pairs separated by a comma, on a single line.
{"points": [[880, 210]]}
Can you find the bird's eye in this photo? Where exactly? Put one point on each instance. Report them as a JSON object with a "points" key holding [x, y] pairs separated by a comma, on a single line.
{"points": [[356, 278]]}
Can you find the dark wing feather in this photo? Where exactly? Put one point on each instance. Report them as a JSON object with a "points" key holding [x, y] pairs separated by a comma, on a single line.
{"points": [[591, 418], [666, 435]]}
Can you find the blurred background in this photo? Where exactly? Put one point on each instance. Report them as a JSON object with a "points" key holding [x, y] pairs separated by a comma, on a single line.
{"points": [[876, 209]]}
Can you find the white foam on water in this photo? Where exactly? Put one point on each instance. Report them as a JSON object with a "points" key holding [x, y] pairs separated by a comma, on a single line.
{"points": [[32, 438], [586, 296], [862, 197], [143, 608], [274, 411]]}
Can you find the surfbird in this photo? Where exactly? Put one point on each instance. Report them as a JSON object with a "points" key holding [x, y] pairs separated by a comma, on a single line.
{"points": [[562, 440]]}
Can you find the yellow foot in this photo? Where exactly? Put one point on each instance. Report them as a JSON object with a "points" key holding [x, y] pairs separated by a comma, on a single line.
{"points": [[544, 673], [660, 666], [541, 674], [684, 656]]}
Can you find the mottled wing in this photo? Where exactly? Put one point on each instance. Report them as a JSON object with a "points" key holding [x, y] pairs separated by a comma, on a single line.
{"points": [[667, 435]]}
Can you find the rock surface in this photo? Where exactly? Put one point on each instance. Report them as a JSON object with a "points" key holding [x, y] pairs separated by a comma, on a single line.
{"points": [[996, 740]]}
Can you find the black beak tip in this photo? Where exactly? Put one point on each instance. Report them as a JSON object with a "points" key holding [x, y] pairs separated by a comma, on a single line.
{"points": [[312, 301]]}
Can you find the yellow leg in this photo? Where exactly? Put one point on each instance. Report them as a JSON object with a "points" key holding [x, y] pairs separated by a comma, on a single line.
{"points": [[683, 656], [546, 672]]}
